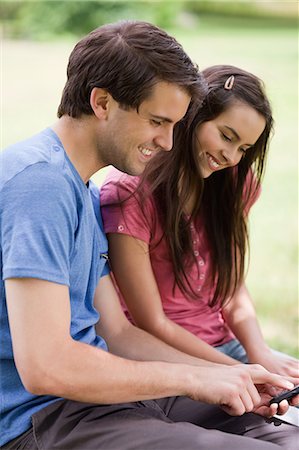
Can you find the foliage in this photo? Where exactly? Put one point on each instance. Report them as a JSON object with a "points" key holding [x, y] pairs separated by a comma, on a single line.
{"points": [[42, 19], [248, 13]]}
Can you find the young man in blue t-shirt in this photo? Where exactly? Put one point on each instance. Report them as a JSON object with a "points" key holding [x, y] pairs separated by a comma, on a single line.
{"points": [[128, 85]]}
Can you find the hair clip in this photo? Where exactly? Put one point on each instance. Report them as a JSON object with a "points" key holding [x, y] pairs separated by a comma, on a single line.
{"points": [[228, 85]]}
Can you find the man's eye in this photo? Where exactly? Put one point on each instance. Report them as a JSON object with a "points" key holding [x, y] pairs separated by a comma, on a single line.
{"points": [[156, 122]]}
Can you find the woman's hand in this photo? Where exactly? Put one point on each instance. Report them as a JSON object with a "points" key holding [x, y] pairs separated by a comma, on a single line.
{"points": [[277, 363]]}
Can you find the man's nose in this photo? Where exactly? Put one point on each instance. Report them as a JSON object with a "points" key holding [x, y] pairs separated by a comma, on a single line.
{"points": [[165, 139]]}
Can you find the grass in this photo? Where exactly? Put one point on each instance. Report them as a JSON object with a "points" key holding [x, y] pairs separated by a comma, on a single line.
{"points": [[33, 75]]}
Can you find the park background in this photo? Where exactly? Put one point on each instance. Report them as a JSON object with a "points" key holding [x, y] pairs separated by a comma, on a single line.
{"points": [[259, 36]]}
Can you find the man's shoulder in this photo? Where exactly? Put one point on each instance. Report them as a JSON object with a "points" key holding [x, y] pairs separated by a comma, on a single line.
{"points": [[43, 148]]}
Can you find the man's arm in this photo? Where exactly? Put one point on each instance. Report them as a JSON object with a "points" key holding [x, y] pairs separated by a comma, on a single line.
{"points": [[50, 362]]}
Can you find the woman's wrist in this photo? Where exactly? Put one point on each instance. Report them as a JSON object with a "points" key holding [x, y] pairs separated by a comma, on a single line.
{"points": [[257, 353]]}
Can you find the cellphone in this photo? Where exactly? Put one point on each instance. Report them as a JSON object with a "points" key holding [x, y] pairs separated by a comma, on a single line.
{"points": [[286, 395]]}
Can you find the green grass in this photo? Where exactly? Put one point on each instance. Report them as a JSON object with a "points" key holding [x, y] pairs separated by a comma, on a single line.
{"points": [[33, 75]]}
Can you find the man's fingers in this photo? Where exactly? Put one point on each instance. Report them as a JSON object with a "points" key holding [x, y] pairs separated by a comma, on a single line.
{"points": [[273, 379], [235, 408], [283, 406], [248, 400], [254, 395], [294, 401], [294, 380]]}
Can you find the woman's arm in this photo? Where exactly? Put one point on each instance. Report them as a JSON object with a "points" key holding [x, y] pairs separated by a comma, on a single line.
{"points": [[240, 316], [131, 265]]}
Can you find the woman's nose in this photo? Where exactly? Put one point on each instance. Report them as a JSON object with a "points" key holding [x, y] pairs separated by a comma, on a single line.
{"points": [[231, 156]]}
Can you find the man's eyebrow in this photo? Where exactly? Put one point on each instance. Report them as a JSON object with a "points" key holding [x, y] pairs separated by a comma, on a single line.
{"points": [[162, 118]]}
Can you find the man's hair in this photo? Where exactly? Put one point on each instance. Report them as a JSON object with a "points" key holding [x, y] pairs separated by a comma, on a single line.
{"points": [[127, 59]]}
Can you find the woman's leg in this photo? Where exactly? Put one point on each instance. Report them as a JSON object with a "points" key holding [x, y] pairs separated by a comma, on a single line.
{"points": [[234, 349]]}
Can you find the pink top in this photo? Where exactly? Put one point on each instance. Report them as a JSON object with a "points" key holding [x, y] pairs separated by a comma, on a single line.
{"points": [[195, 315]]}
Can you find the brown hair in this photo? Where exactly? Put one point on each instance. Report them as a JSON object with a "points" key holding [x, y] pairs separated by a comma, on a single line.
{"points": [[221, 199], [127, 58]]}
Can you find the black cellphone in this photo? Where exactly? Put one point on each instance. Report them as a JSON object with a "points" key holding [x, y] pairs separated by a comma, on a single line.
{"points": [[287, 395]]}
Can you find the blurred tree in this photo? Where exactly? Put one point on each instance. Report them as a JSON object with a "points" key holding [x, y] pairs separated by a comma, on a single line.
{"points": [[44, 19], [49, 18], [271, 12]]}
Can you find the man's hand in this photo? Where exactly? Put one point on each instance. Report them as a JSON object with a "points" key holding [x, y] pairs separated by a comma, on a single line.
{"points": [[265, 409], [267, 392], [234, 388]]}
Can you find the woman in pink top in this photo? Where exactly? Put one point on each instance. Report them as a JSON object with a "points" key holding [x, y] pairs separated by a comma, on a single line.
{"points": [[178, 235]]}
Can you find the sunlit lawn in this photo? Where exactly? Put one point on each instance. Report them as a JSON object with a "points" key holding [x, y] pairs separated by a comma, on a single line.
{"points": [[33, 76]]}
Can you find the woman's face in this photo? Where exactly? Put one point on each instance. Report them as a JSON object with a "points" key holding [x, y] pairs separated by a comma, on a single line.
{"points": [[223, 141]]}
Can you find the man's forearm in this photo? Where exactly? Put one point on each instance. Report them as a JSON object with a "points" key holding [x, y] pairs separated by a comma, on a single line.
{"points": [[88, 374], [50, 362]]}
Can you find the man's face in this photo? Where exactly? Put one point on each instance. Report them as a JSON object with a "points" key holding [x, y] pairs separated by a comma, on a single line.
{"points": [[132, 138]]}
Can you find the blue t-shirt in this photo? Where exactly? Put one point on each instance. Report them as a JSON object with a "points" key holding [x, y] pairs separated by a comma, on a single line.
{"points": [[51, 229]]}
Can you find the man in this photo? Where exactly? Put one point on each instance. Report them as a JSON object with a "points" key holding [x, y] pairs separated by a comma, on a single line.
{"points": [[128, 85]]}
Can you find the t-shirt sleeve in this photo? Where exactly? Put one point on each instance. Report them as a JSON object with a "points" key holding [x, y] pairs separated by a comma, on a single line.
{"points": [[122, 211], [95, 198], [38, 220], [252, 191]]}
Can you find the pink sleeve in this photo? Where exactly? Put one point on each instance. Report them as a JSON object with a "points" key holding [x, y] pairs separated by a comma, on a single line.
{"points": [[252, 191], [121, 209]]}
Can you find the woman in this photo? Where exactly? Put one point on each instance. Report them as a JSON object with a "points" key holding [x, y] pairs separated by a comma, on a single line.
{"points": [[178, 235]]}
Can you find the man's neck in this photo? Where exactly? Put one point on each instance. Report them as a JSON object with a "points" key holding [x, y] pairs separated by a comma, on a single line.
{"points": [[79, 142]]}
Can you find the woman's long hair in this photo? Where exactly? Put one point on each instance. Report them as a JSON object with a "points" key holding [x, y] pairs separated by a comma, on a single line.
{"points": [[221, 199]]}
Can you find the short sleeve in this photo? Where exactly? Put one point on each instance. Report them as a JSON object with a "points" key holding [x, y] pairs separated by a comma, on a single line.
{"points": [[38, 219], [95, 198], [122, 211], [252, 191]]}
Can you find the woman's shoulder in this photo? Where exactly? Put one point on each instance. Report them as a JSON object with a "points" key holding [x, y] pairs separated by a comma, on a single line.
{"points": [[121, 187], [251, 190], [117, 185], [116, 177]]}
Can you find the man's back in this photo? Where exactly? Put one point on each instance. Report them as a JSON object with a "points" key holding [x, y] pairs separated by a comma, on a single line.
{"points": [[49, 232]]}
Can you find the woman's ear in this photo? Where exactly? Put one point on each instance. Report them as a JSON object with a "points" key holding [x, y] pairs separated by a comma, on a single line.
{"points": [[99, 101]]}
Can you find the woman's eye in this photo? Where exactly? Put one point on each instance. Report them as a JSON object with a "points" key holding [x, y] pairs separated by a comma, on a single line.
{"points": [[243, 150], [226, 138]]}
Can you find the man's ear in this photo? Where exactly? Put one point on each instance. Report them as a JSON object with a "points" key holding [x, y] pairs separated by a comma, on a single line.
{"points": [[99, 101]]}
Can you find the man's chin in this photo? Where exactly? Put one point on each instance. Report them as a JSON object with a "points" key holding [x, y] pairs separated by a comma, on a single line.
{"points": [[132, 171]]}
